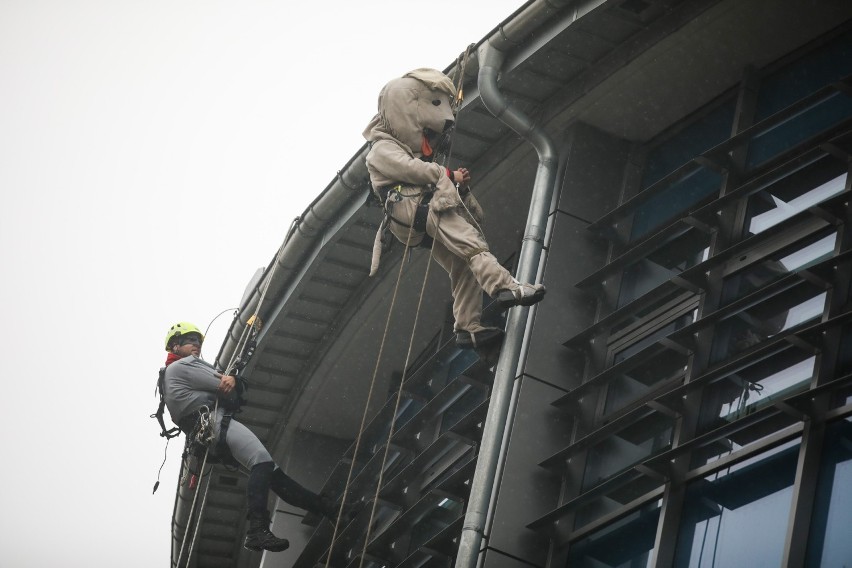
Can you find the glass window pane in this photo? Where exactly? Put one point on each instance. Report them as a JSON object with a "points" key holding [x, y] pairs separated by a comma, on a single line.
{"points": [[755, 387], [662, 264], [627, 543], [640, 380], [653, 337], [738, 516], [695, 139], [798, 128], [468, 399], [783, 200], [792, 259], [829, 543], [638, 442], [806, 75], [698, 185], [433, 522], [844, 358], [757, 323]]}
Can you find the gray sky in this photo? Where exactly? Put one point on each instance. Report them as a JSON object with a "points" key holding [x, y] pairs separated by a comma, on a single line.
{"points": [[152, 156]]}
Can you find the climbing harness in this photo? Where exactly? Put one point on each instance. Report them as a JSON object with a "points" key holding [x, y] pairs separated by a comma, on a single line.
{"points": [[389, 195], [386, 194]]}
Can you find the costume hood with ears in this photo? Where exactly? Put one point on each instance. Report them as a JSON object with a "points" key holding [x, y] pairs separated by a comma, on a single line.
{"points": [[409, 105]]}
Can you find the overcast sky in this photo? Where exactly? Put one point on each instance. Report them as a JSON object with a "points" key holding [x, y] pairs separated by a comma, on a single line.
{"points": [[152, 156]]}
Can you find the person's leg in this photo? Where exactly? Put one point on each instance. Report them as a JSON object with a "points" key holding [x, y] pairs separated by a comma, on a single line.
{"points": [[258, 536], [467, 301], [461, 249], [465, 241], [467, 294], [297, 495], [251, 454]]}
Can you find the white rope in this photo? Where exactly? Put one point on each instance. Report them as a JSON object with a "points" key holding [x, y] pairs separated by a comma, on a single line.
{"points": [[251, 323], [392, 429], [367, 404], [191, 510], [407, 357]]}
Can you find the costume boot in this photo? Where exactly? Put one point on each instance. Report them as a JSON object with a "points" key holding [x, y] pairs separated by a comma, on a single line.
{"points": [[520, 295], [478, 339], [259, 537]]}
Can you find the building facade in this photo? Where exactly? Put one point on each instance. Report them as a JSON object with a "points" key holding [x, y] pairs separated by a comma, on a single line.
{"points": [[682, 397]]}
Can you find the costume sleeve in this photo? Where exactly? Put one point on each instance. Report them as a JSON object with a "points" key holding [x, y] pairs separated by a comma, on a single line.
{"points": [[398, 165]]}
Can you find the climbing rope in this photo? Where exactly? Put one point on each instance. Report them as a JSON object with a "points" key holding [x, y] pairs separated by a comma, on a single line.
{"points": [[392, 428], [249, 331], [367, 404], [461, 63], [742, 406]]}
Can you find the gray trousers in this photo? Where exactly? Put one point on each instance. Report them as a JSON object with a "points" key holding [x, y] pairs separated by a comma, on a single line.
{"points": [[242, 443], [461, 250]]}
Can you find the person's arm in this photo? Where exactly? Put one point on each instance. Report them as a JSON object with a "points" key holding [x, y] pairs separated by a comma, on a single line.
{"points": [[396, 164], [197, 375], [227, 384]]}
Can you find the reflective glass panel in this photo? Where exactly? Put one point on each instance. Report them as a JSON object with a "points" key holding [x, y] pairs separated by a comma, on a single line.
{"points": [[641, 440], [434, 521], [626, 543], [693, 140], [800, 304], [844, 357], [736, 395], [792, 259], [640, 380], [653, 337], [829, 543], [468, 399], [797, 79], [780, 202], [798, 128], [699, 184], [660, 265], [738, 516]]}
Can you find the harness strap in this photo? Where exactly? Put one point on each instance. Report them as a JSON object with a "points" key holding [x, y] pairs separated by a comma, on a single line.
{"points": [[421, 213], [165, 432], [222, 450]]}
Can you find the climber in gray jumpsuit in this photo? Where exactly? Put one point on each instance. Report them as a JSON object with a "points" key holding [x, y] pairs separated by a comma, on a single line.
{"points": [[191, 385]]}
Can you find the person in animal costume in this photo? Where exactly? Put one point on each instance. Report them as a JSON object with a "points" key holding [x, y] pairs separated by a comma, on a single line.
{"points": [[427, 203]]}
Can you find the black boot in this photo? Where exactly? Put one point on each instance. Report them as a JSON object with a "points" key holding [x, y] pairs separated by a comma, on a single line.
{"points": [[330, 509], [259, 537], [290, 491]]}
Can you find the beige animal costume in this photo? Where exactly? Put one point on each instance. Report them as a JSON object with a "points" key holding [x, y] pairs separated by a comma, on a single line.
{"points": [[413, 111]]}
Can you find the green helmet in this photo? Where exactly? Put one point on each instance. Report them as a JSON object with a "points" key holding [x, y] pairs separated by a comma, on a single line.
{"points": [[181, 328]]}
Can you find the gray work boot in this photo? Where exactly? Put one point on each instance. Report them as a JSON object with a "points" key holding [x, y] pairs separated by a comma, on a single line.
{"points": [[477, 339], [523, 295], [259, 537]]}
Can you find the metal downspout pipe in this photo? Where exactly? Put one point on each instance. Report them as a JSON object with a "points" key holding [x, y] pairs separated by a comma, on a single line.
{"points": [[490, 61]]}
